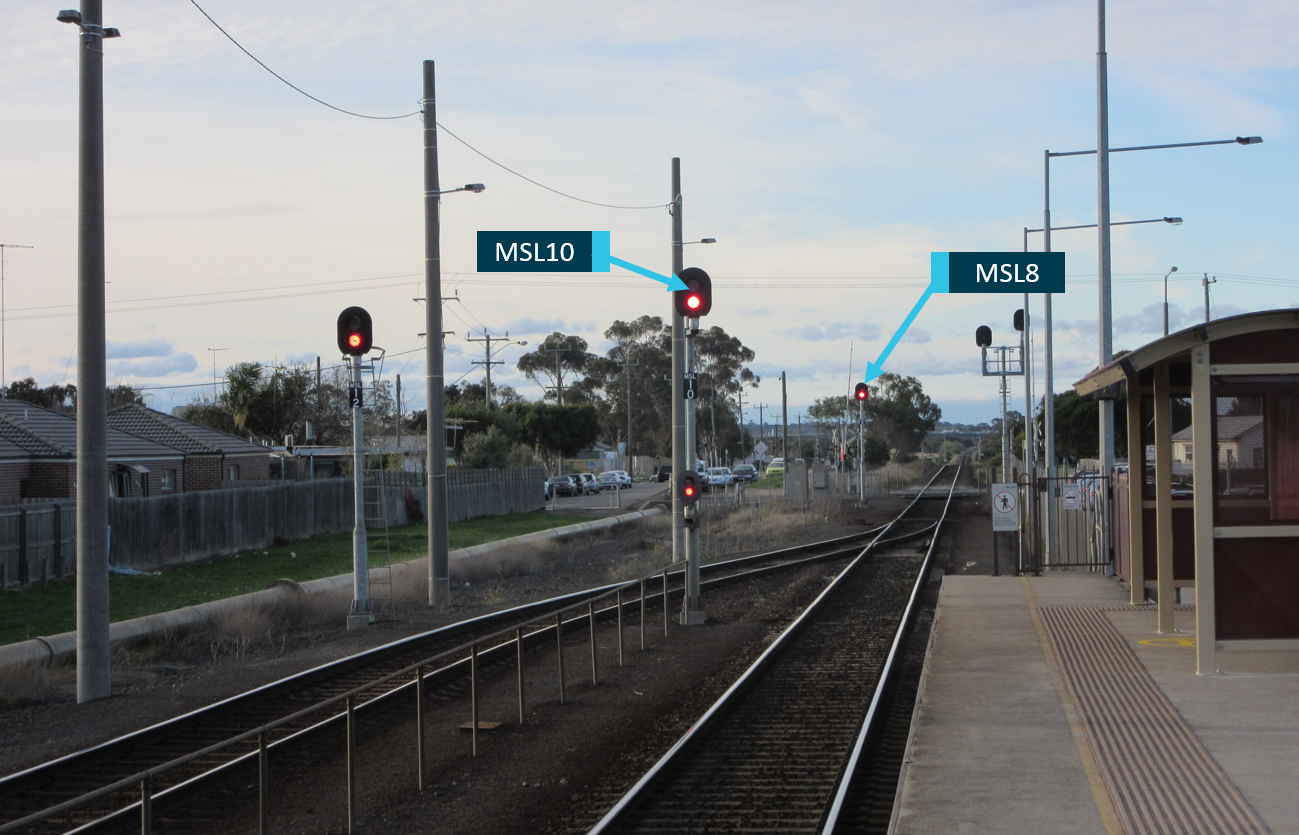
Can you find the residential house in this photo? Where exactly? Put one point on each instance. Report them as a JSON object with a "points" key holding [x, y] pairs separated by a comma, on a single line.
{"points": [[211, 456]]}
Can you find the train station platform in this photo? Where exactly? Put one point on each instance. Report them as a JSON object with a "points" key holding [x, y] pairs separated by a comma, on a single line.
{"points": [[1050, 705]]}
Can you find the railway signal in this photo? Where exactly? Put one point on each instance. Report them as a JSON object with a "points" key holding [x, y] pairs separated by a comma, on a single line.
{"points": [[355, 332], [689, 488], [862, 393], [697, 299]]}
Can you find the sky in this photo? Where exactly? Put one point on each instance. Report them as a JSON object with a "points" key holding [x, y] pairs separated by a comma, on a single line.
{"points": [[829, 148]]}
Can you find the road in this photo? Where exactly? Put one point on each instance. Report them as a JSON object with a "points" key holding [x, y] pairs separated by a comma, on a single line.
{"points": [[638, 492]]}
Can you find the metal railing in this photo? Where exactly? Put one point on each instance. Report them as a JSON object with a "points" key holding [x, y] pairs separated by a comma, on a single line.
{"points": [[468, 652]]}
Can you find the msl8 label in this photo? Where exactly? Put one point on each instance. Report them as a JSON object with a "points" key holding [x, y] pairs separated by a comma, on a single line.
{"points": [[996, 272]]}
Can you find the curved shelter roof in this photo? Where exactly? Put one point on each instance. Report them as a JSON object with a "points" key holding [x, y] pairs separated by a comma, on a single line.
{"points": [[1178, 345]]}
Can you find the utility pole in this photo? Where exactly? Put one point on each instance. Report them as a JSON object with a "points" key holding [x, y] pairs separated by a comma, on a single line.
{"points": [[4, 382], [784, 434], [214, 373], [739, 399], [94, 676], [487, 362], [399, 416], [439, 591], [1206, 281], [627, 366], [691, 610], [361, 614], [1106, 352], [559, 370]]}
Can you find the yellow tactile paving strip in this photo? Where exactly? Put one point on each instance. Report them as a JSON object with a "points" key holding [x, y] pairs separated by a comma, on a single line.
{"points": [[1160, 777]]}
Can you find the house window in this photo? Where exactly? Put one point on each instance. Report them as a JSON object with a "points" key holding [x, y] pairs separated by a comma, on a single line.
{"points": [[232, 473], [168, 479], [1190, 454]]}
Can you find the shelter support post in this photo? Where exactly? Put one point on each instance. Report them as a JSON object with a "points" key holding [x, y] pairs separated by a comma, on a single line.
{"points": [[1136, 495], [1206, 662], [1164, 498]]}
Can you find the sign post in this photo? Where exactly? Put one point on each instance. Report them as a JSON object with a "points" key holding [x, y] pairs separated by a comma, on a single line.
{"points": [[1005, 516]]}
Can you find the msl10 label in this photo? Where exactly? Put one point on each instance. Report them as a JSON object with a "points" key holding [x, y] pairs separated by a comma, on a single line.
{"points": [[556, 252], [996, 272]]}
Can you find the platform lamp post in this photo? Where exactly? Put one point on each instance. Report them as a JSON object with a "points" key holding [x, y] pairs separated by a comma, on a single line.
{"points": [[1166, 275], [439, 579], [1048, 382], [94, 679]]}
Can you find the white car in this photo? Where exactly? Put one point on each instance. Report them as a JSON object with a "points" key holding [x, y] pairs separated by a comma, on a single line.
{"points": [[618, 476], [719, 477]]}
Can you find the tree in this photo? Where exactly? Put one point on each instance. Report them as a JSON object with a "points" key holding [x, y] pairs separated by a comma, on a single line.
{"points": [[62, 398], [270, 402], [559, 431], [901, 414], [1077, 422], [557, 356], [494, 449]]}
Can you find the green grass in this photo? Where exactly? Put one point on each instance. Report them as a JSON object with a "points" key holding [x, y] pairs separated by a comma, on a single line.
{"points": [[775, 482], [51, 609]]}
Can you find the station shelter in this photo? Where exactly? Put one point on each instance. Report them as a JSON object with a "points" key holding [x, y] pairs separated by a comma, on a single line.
{"points": [[1211, 497]]}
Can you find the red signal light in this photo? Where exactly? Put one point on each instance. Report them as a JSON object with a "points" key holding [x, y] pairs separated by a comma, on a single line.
{"points": [[693, 301], [690, 490], [862, 392], [354, 340]]}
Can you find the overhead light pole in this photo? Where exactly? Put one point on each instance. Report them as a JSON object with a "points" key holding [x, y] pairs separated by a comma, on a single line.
{"points": [[1166, 275], [4, 382], [1048, 399], [439, 568], [94, 677]]}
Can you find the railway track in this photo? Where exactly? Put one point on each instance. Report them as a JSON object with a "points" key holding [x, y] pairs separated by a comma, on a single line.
{"points": [[57, 791], [790, 746]]}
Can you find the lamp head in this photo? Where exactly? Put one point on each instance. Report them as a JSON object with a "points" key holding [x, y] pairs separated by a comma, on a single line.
{"points": [[1175, 221], [1173, 270], [476, 188], [524, 343], [1248, 140], [708, 241], [74, 16]]}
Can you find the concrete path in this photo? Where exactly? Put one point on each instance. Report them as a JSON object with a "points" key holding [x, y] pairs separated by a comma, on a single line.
{"points": [[999, 744]]}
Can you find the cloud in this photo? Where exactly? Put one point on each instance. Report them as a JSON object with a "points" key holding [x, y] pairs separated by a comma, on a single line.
{"points": [[135, 350], [836, 330], [528, 325], [181, 363], [917, 335], [302, 357]]}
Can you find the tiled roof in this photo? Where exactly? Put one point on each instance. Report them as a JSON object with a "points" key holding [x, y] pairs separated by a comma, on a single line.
{"points": [[194, 438], [18, 441], [59, 431]]}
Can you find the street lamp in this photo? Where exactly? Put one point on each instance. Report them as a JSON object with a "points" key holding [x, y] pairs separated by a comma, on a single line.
{"points": [[700, 241], [1166, 275]]}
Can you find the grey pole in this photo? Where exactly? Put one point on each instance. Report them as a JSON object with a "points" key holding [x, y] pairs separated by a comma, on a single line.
{"points": [[1026, 354], [693, 614], [439, 580], [678, 371], [1106, 427], [861, 451], [94, 679], [784, 433], [359, 615], [1206, 281], [1048, 404], [1005, 430]]}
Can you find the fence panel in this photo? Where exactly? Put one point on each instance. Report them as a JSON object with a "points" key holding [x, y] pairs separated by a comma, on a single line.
{"points": [[38, 540]]}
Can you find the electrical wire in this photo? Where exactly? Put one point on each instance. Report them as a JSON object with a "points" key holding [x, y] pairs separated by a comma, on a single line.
{"points": [[407, 116]]}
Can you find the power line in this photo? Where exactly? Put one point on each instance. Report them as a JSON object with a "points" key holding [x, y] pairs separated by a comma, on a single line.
{"points": [[407, 116]]}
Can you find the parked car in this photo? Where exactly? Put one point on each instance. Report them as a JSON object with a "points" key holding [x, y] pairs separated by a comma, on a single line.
{"points": [[665, 473], [777, 465], [587, 483], [562, 485], [614, 478], [744, 473], [718, 477]]}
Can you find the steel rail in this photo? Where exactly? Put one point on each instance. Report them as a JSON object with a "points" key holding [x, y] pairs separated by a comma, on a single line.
{"points": [[169, 797], [759, 666], [887, 674]]}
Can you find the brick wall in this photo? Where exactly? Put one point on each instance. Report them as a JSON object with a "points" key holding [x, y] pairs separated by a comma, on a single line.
{"points": [[254, 467], [12, 475], [52, 480], [202, 472]]}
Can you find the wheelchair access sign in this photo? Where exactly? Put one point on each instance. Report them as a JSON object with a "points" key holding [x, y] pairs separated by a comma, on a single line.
{"points": [[1005, 507]]}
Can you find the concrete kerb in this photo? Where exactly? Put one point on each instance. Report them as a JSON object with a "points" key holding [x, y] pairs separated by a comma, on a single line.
{"points": [[46, 651]]}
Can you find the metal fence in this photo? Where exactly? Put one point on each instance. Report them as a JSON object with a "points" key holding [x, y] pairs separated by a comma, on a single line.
{"points": [[1083, 521], [38, 541]]}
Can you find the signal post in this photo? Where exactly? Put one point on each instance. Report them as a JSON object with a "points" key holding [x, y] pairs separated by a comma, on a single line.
{"points": [[355, 338]]}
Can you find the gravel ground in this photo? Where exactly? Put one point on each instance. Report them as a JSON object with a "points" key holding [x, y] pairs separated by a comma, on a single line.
{"points": [[526, 778], [157, 682]]}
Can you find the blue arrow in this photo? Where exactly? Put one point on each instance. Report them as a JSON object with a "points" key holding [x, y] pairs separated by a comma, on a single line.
{"points": [[875, 369], [673, 282], [601, 261]]}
